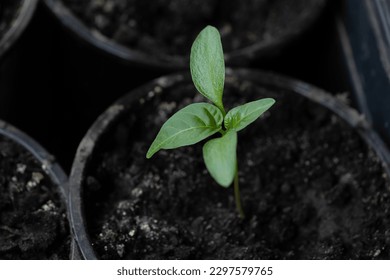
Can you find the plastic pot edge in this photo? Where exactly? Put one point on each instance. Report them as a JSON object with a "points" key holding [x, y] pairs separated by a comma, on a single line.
{"points": [[139, 58], [14, 32]]}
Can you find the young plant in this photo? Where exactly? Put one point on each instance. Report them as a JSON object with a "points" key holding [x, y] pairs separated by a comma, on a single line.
{"points": [[198, 121]]}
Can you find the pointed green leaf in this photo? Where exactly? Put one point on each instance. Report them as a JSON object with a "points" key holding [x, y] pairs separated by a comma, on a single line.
{"points": [[188, 126], [241, 116], [220, 158], [208, 66]]}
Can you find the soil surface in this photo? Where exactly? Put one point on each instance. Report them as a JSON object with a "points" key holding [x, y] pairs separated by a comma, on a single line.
{"points": [[168, 27], [33, 223], [311, 188], [8, 12]]}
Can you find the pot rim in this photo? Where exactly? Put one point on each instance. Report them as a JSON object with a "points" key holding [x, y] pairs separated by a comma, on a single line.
{"points": [[50, 166], [131, 56], [115, 111], [21, 22]]}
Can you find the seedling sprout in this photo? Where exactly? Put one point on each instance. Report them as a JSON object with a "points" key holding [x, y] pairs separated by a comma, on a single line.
{"points": [[199, 121]]}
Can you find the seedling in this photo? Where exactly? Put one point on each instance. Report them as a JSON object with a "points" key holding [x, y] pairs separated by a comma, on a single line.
{"points": [[198, 121]]}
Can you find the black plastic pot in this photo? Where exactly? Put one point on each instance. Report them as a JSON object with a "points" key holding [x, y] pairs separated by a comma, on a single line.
{"points": [[50, 166], [363, 31], [25, 13], [242, 57], [10, 60], [90, 142], [61, 86]]}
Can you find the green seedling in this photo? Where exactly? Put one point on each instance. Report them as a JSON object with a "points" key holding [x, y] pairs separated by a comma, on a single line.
{"points": [[199, 121]]}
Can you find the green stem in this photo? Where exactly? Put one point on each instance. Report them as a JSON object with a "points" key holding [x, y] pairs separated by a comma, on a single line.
{"points": [[237, 195], [223, 132], [222, 110]]}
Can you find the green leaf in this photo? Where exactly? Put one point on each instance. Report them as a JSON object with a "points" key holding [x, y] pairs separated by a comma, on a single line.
{"points": [[187, 126], [208, 66], [241, 116], [220, 158]]}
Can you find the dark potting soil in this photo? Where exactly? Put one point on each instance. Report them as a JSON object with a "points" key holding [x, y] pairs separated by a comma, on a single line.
{"points": [[311, 188], [164, 27], [33, 223], [8, 12]]}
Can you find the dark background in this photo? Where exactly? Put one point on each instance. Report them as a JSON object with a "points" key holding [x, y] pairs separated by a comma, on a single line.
{"points": [[55, 85]]}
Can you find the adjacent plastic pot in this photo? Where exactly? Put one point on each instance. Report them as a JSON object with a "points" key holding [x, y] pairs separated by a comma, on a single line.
{"points": [[363, 30], [91, 140], [11, 53], [52, 168], [25, 13], [242, 57]]}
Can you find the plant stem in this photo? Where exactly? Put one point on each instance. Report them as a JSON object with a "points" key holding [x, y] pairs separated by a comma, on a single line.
{"points": [[223, 132], [237, 194], [223, 111]]}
